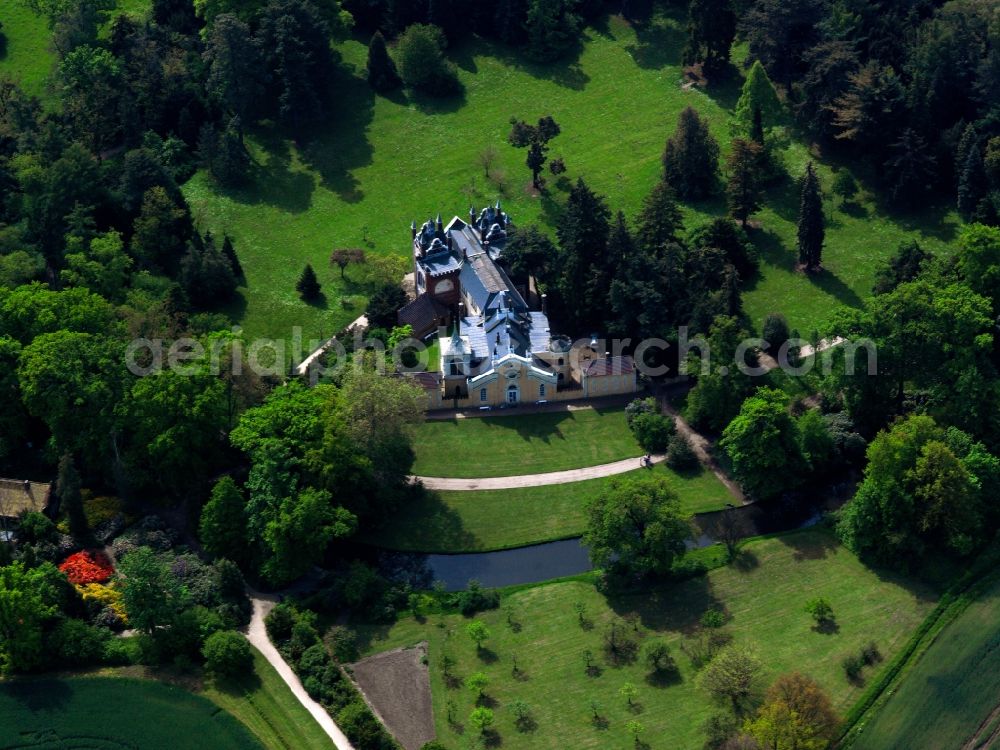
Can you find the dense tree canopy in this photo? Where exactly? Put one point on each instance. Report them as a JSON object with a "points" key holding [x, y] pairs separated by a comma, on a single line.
{"points": [[635, 526]]}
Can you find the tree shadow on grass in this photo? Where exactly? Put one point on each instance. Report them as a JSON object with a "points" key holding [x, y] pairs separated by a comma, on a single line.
{"points": [[424, 523], [811, 545], [40, 695], [658, 43], [273, 181], [487, 655], [745, 561], [662, 678], [318, 302], [830, 283], [565, 72], [827, 627], [3, 46], [341, 145], [675, 606]]}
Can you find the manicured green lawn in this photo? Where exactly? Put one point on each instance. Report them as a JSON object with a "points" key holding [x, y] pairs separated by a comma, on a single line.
{"points": [[954, 687], [265, 705], [498, 519], [522, 444], [764, 598], [382, 162], [107, 713]]}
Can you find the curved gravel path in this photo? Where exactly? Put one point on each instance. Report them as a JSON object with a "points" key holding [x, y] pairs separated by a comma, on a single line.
{"points": [[535, 480], [257, 635]]}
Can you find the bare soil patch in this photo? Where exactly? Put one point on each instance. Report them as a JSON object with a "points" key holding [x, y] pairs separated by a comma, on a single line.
{"points": [[397, 686]]}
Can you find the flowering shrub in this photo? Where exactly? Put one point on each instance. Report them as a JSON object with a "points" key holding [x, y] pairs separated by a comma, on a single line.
{"points": [[99, 597], [101, 509], [87, 567]]}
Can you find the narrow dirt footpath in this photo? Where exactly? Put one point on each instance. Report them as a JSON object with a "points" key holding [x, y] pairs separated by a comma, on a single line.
{"points": [[257, 635]]}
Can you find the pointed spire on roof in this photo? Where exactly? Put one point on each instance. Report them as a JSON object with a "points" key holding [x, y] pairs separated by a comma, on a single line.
{"points": [[497, 207]]}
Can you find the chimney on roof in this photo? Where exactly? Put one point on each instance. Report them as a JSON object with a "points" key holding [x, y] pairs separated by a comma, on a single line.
{"points": [[438, 224], [413, 230]]}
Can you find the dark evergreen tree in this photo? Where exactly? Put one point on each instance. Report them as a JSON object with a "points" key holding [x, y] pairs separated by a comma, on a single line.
{"points": [[422, 63], [509, 17], [660, 220], [829, 66], [234, 67], [711, 30], [383, 306], [584, 273], [972, 184], [529, 252], [779, 33], [71, 499], [910, 168], [691, 158], [552, 27], [308, 285], [177, 15], [206, 275], [904, 265], [224, 154], [811, 231], [731, 240], [743, 185], [382, 74], [293, 39]]}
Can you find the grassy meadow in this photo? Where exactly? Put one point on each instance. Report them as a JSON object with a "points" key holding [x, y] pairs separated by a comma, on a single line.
{"points": [[481, 520], [111, 713], [763, 597], [522, 444], [951, 695], [381, 162], [25, 52], [265, 705]]}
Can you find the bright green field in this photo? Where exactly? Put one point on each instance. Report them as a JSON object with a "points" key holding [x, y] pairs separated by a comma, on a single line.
{"points": [[265, 705], [477, 521], [522, 444], [950, 692], [764, 597], [26, 56], [383, 162], [105, 713]]}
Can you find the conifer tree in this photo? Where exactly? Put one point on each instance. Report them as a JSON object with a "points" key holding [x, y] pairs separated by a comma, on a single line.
{"points": [[68, 489], [584, 279], [972, 183], [743, 185], [711, 30], [382, 73], [691, 158], [758, 94], [308, 285], [553, 28], [811, 230], [659, 220], [206, 275]]}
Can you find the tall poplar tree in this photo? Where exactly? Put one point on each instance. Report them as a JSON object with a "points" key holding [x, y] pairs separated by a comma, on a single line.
{"points": [[583, 238], [743, 185], [811, 230]]}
